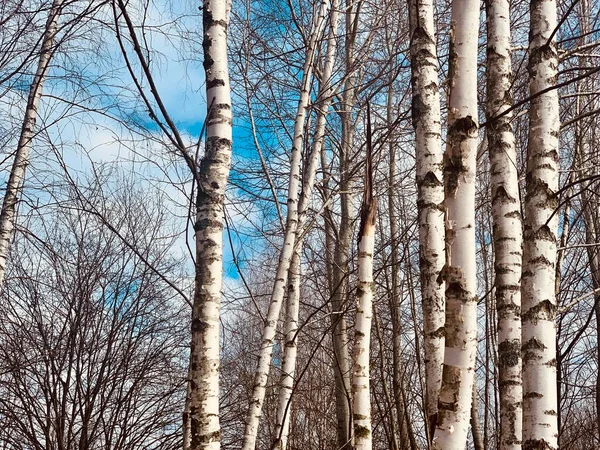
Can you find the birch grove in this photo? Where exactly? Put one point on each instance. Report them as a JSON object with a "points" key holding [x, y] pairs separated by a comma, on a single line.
{"points": [[310, 224]]}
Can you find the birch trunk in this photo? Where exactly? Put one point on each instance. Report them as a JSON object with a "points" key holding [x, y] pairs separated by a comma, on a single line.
{"points": [[540, 404], [460, 270], [361, 392], [341, 356], [205, 431], [475, 427], [288, 369], [428, 148], [337, 281], [507, 229], [8, 214], [325, 97], [266, 351], [286, 382]]}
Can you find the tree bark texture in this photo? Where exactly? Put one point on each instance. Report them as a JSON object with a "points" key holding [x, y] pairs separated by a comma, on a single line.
{"points": [[460, 270], [540, 403], [428, 147], [205, 431], [361, 391], [507, 228]]}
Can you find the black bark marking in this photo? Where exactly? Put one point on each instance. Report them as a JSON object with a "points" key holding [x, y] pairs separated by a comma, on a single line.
{"points": [[544, 310], [454, 165], [537, 444], [509, 353]]}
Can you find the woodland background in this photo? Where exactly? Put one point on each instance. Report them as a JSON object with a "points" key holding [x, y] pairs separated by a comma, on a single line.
{"points": [[95, 308]]}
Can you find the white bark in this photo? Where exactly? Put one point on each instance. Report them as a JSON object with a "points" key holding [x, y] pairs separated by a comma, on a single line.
{"points": [[286, 382], [475, 426], [460, 271], [428, 149], [288, 369], [266, 351], [361, 392], [540, 405], [325, 97], [8, 215], [507, 230], [205, 431]]}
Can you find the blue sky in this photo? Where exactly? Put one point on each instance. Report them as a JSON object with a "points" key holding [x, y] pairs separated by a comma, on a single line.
{"points": [[178, 73]]}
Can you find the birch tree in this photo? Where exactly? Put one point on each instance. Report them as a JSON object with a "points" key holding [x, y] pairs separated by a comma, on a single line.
{"points": [[540, 429], [288, 247], [286, 383], [361, 392], [460, 270], [428, 149], [205, 432], [288, 367], [507, 230], [21, 159]]}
